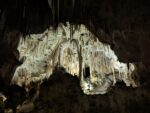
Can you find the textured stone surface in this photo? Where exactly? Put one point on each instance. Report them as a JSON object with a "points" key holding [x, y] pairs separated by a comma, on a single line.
{"points": [[41, 53]]}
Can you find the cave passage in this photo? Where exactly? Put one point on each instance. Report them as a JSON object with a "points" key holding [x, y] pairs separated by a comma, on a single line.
{"points": [[87, 72]]}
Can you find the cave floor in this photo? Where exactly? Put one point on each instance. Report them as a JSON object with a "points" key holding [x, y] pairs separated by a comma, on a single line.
{"points": [[62, 94]]}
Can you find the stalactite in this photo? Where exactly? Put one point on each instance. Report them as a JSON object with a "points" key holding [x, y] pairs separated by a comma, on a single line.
{"points": [[53, 11], [24, 11], [50, 3], [114, 78], [73, 6], [58, 9]]}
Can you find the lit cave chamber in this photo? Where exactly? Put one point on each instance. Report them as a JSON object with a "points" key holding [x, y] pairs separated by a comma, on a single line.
{"points": [[76, 50]]}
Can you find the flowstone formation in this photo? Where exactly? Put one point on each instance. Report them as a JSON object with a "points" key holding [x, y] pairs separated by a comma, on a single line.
{"points": [[77, 50]]}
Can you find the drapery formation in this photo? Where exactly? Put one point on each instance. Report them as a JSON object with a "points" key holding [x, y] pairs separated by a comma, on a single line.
{"points": [[77, 50]]}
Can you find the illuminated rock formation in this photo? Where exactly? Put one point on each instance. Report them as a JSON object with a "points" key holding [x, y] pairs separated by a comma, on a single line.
{"points": [[78, 51]]}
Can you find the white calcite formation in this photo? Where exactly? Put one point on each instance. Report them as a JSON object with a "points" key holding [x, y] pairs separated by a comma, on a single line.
{"points": [[78, 51]]}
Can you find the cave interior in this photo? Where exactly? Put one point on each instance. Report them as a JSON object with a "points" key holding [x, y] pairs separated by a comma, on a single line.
{"points": [[74, 56]]}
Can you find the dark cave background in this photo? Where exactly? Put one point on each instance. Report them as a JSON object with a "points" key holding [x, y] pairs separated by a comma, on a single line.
{"points": [[125, 25]]}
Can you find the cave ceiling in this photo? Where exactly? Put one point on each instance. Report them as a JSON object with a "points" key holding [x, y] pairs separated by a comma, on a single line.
{"points": [[124, 24]]}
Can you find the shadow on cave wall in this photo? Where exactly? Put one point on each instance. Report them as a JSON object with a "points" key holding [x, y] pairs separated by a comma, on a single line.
{"points": [[9, 55], [62, 94]]}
